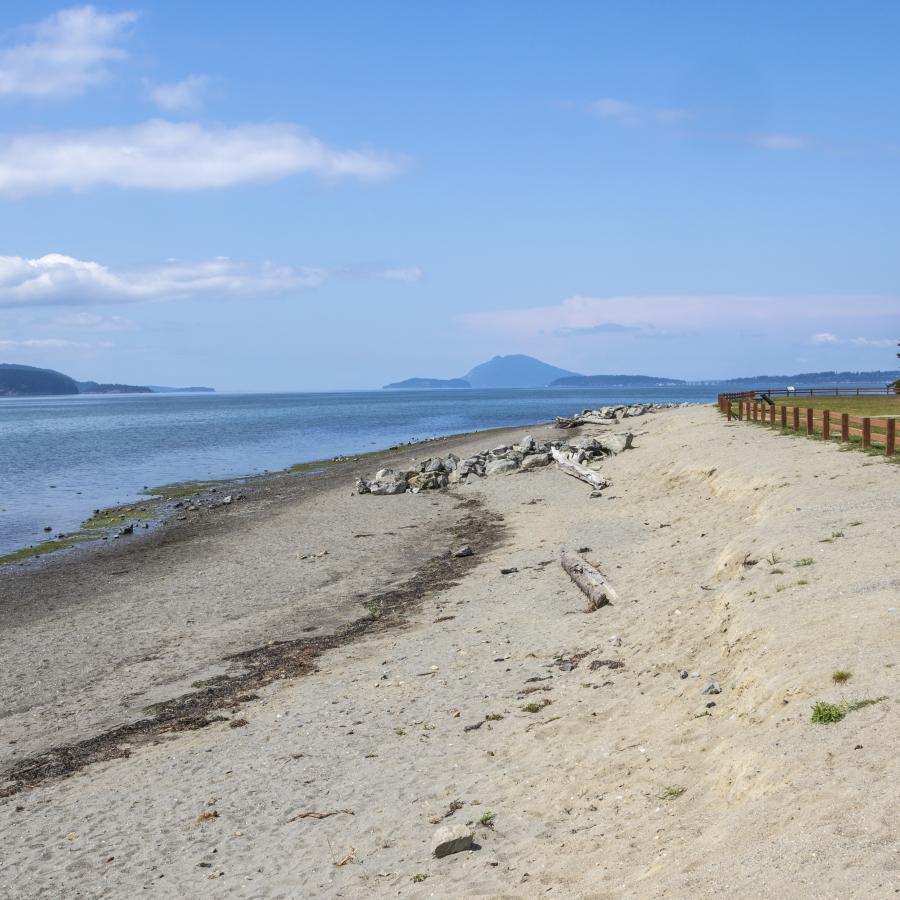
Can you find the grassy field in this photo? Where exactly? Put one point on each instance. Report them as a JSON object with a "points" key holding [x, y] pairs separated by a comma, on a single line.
{"points": [[871, 405]]}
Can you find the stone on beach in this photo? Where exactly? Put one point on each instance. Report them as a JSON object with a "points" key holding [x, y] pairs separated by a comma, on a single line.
{"points": [[450, 839]]}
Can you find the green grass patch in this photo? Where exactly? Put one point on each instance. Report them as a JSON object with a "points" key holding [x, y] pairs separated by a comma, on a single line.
{"points": [[806, 561], [826, 713], [50, 546], [487, 819], [535, 706], [841, 676], [863, 405]]}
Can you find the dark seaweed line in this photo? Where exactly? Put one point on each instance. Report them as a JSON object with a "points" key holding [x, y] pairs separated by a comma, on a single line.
{"points": [[276, 661]]}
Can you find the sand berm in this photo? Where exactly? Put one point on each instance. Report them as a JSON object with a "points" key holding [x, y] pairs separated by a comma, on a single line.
{"points": [[176, 706]]}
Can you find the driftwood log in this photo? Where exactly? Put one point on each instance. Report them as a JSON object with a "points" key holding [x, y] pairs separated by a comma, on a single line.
{"points": [[590, 580], [563, 422], [570, 467]]}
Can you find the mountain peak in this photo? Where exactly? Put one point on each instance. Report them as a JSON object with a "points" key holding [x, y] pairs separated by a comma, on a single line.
{"points": [[515, 371]]}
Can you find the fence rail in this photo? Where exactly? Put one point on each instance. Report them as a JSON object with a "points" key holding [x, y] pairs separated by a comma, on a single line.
{"points": [[757, 407]]}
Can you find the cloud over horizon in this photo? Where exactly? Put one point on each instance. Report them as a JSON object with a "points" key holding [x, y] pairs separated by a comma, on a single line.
{"points": [[178, 156], [65, 53], [581, 315], [59, 280]]}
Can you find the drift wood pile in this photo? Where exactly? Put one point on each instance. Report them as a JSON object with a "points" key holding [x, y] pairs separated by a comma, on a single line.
{"points": [[580, 459]]}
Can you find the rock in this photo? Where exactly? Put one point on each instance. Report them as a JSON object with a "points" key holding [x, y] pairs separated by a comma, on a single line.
{"points": [[615, 640], [595, 494], [682, 673], [712, 688], [226, 500], [500, 467], [434, 465], [526, 445], [535, 460], [465, 550], [501, 450], [616, 443], [450, 839], [128, 529], [509, 571]]}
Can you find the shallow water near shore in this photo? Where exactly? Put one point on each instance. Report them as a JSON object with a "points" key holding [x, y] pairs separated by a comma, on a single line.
{"points": [[62, 457]]}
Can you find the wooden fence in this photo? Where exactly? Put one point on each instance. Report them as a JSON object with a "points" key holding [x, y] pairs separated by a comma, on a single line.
{"points": [[828, 424]]}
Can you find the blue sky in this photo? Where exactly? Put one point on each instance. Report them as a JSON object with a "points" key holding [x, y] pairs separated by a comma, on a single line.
{"points": [[337, 195]]}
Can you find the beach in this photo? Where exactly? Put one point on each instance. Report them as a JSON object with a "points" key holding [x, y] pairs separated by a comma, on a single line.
{"points": [[286, 696]]}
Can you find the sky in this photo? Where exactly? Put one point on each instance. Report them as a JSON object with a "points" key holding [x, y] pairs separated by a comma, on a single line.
{"points": [[317, 196]]}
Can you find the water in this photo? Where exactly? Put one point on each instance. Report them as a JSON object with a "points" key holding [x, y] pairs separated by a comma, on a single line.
{"points": [[62, 457]]}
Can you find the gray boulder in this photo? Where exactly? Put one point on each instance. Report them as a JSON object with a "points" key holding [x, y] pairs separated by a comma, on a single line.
{"points": [[535, 460], [500, 467]]}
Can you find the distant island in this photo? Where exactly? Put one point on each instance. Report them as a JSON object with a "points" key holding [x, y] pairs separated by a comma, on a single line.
{"points": [[29, 381], [520, 371], [515, 371], [428, 384], [614, 381]]}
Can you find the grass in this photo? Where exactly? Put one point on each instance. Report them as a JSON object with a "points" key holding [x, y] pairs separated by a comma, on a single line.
{"points": [[43, 547], [866, 405], [419, 877], [535, 706], [841, 676], [826, 713], [672, 792], [806, 561], [776, 571], [487, 819]]}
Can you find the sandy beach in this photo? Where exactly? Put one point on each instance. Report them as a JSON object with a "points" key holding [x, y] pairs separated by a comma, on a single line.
{"points": [[286, 697]]}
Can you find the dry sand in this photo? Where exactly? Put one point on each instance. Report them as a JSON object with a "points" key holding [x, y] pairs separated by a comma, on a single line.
{"points": [[627, 784]]}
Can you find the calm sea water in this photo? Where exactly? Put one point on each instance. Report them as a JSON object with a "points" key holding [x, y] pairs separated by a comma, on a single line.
{"points": [[61, 457]]}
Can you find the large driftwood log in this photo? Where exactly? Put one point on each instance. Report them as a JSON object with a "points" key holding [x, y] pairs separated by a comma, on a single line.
{"points": [[570, 467], [591, 582]]}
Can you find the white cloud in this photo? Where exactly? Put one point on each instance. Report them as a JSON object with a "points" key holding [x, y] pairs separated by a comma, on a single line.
{"points": [[180, 96], [59, 280], [625, 113], [828, 338], [177, 156], [619, 110], [779, 142], [409, 274], [65, 53], [657, 314], [55, 279]]}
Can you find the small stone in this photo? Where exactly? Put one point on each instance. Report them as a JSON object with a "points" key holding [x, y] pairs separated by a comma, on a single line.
{"points": [[509, 571], [465, 550], [615, 640], [595, 494], [682, 673], [712, 688], [451, 839]]}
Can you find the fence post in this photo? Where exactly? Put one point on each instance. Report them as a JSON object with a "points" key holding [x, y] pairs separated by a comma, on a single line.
{"points": [[728, 409], [796, 418], [809, 420], [826, 424], [890, 440], [845, 427], [867, 433], [784, 417], [741, 410]]}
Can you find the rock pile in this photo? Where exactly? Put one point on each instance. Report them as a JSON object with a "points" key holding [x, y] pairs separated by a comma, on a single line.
{"points": [[440, 472]]}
